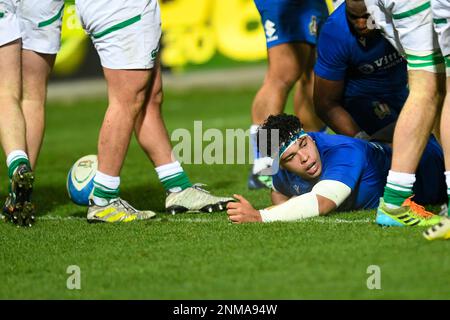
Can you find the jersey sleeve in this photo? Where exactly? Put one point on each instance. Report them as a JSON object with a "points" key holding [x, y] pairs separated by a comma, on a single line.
{"points": [[344, 164], [332, 59]]}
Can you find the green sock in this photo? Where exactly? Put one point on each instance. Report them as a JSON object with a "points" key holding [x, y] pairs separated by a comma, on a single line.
{"points": [[15, 163], [448, 204], [176, 181], [102, 192], [395, 194]]}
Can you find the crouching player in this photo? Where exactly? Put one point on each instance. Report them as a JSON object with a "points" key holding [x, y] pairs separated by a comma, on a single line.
{"points": [[320, 173]]}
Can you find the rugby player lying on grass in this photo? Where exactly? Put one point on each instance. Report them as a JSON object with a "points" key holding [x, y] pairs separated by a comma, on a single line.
{"points": [[320, 173]]}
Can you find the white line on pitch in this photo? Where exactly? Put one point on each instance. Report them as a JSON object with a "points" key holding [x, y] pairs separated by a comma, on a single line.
{"points": [[203, 220]]}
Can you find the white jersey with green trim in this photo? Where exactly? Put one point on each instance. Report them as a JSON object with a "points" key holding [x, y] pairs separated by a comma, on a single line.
{"points": [[408, 25]]}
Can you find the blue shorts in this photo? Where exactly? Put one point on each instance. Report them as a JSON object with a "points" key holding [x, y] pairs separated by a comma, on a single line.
{"points": [[287, 21], [372, 114]]}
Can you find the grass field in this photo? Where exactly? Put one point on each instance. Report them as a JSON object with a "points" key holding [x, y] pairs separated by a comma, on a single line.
{"points": [[200, 256]]}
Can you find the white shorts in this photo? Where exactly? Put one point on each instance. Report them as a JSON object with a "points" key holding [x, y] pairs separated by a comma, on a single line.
{"points": [[125, 33], [441, 20], [408, 25], [37, 22]]}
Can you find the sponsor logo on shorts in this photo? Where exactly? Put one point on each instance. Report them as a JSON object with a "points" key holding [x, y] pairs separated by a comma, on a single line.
{"points": [[313, 26], [381, 110], [270, 29], [154, 53]]}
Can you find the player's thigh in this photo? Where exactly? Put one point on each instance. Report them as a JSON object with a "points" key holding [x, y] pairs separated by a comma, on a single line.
{"points": [[441, 21], [288, 61], [125, 33], [127, 87], [36, 68], [10, 70], [40, 25]]}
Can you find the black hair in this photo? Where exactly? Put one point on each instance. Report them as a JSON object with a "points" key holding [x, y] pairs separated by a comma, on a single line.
{"points": [[286, 124]]}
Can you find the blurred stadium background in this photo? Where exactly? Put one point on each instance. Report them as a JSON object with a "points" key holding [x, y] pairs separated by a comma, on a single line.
{"points": [[209, 43]]}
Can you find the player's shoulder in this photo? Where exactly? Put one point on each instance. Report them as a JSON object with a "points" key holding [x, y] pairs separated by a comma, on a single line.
{"points": [[335, 144]]}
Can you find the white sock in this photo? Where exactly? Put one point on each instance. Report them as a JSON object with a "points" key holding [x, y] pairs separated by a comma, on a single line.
{"points": [[447, 180], [16, 154], [400, 181], [254, 140], [168, 170], [106, 183]]}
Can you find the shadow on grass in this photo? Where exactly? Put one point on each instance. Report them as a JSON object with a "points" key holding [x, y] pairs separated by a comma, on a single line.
{"points": [[51, 199]]}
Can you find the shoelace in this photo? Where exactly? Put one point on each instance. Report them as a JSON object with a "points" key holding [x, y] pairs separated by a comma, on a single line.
{"points": [[199, 186], [126, 205], [418, 209]]}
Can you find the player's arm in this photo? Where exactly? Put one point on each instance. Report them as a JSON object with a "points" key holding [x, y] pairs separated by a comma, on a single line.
{"points": [[385, 134], [328, 103], [326, 196], [278, 197]]}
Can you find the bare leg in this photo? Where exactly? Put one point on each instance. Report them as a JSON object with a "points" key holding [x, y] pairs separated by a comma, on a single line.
{"points": [[287, 63], [150, 129], [127, 90], [303, 102], [416, 120], [445, 127], [12, 123], [36, 70]]}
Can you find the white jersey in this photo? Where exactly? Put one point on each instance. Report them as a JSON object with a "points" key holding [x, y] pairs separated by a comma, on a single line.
{"points": [[408, 25], [125, 33], [37, 22]]}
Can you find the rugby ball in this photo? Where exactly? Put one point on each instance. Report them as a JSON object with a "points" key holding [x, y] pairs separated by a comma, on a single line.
{"points": [[80, 180]]}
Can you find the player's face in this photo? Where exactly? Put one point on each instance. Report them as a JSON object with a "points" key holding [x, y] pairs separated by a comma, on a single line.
{"points": [[357, 16], [303, 159]]}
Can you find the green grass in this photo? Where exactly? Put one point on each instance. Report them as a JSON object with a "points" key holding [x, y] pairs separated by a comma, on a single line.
{"points": [[200, 256]]}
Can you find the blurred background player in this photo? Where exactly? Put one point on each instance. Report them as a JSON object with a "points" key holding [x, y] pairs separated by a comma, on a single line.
{"points": [[291, 28], [409, 27], [29, 40], [126, 36], [441, 21], [360, 78], [320, 173]]}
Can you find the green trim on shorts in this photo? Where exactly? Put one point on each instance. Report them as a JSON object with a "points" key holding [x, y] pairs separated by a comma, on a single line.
{"points": [[2, 14], [116, 27], [421, 65], [447, 61], [412, 12], [436, 57], [440, 21], [51, 20]]}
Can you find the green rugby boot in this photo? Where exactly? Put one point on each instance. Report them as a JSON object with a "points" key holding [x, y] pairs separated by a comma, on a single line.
{"points": [[441, 231], [409, 214], [18, 207], [195, 199], [118, 210]]}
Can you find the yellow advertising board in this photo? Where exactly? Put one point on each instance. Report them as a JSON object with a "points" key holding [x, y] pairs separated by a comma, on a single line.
{"points": [[194, 31]]}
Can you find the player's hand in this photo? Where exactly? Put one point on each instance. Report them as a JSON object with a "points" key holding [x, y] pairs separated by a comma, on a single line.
{"points": [[242, 211]]}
